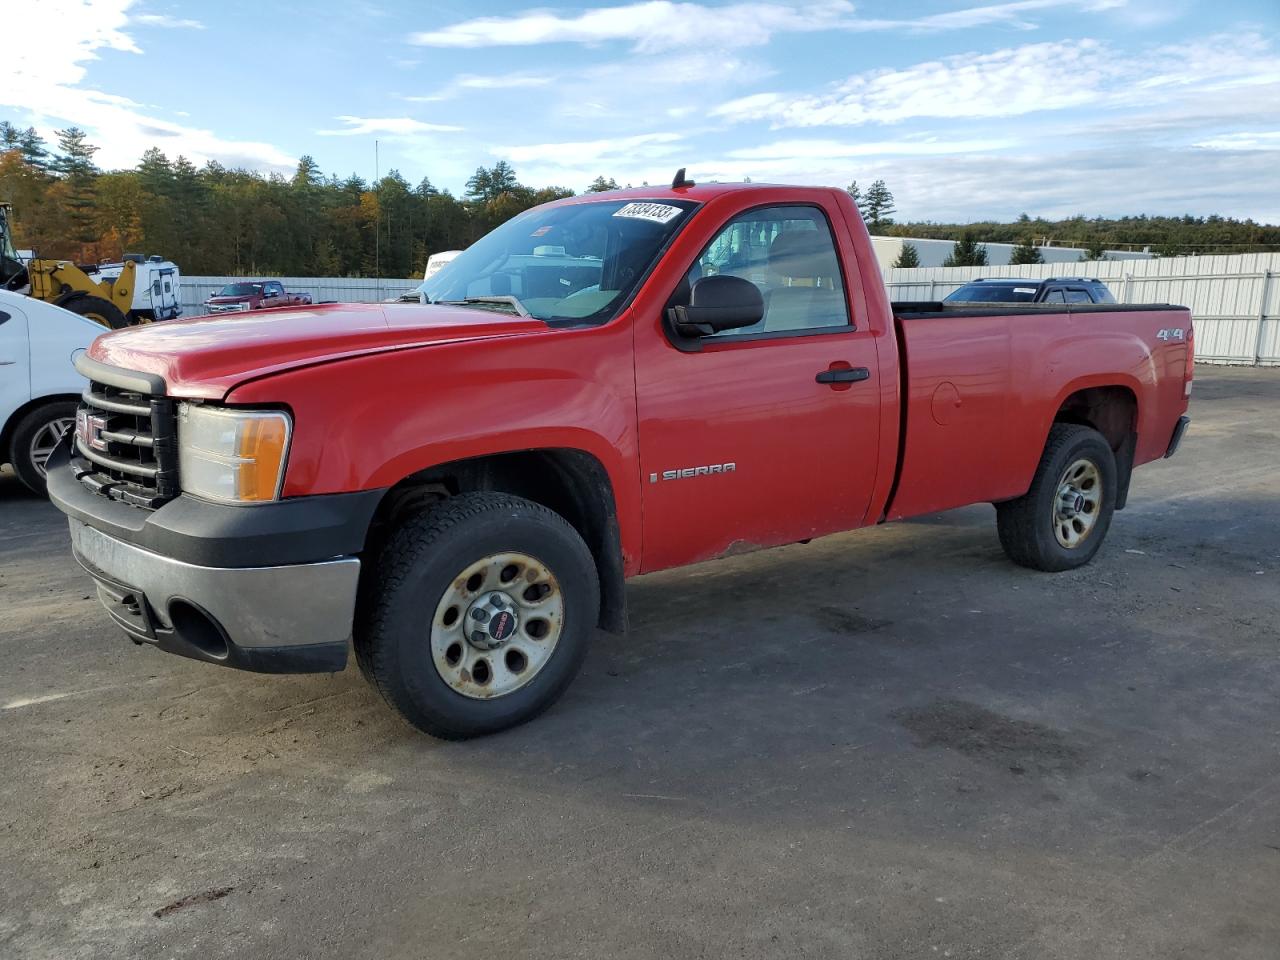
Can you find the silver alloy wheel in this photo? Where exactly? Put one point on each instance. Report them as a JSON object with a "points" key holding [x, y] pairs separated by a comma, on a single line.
{"points": [[497, 625], [46, 439], [1077, 503]]}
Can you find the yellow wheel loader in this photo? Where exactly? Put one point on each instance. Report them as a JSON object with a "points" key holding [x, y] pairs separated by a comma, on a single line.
{"points": [[108, 294]]}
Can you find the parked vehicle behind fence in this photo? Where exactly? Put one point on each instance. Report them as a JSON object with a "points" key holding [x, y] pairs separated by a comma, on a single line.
{"points": [[254, 295], [1031, 290]]}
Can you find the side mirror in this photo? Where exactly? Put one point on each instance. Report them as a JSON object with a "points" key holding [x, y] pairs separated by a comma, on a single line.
{"points": [[716, 304]]}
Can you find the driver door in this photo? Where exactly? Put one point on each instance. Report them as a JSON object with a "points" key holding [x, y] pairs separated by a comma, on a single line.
{"points": [[766, 435]]}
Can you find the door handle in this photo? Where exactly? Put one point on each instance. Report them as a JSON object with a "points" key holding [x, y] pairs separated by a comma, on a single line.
{"points": [[847, 375]]}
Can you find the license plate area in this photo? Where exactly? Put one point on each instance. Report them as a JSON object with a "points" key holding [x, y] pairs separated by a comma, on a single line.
{"points": [[127, 607]]}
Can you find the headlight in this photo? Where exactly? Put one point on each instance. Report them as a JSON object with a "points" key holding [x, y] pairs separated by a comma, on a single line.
{"points": [[234, 456]]}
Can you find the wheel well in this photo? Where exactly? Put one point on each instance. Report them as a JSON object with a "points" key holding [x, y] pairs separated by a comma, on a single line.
{"points": [[1113, 412], [6, 432], [572, 483]]}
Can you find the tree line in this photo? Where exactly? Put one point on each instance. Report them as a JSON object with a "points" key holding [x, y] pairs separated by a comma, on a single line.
{"points": [[1162, 236], [215, 220]]}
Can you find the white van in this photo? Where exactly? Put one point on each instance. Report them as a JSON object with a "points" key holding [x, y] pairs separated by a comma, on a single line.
{"points": [[39, 386]]}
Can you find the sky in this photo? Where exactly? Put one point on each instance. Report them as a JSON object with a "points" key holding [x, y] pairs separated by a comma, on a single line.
{"points": [[968, 109]]}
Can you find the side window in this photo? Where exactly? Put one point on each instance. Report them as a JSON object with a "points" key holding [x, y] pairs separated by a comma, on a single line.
{"points": [[1056, 296], [787, 252], [1101, 294], [275, 288], [155, 287], [1078, 296]]}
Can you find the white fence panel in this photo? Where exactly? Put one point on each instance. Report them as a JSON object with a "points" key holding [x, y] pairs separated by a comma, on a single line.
{"points": [[1234, 300], [195, 290]]}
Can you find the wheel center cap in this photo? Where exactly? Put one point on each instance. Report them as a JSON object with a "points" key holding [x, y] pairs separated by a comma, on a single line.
{"points": [[492, 620], [502, 625]]}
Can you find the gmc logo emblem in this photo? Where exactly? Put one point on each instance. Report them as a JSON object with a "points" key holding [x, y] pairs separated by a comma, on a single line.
{"points": [[89, 430]]}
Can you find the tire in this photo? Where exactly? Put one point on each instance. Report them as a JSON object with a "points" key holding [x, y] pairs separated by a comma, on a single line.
{"points": [[1062, 520], [98, 310], [31, 446], [414, 636]]}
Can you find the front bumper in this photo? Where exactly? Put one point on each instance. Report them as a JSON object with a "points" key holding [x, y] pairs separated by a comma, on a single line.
{"points": [[284, 619], [268, 587]]}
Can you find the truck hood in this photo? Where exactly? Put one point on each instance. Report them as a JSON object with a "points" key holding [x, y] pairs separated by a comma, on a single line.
{"points": [[206, 357], [248, 297]]}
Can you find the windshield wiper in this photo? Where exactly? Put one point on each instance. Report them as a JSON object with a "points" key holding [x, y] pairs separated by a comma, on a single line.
{"points": [[506, 301]]}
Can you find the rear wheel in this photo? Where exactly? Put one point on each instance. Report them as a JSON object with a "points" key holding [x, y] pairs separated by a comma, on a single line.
{"points": [[35, 437], [98, 310], [477, 614], [1062, 520]]}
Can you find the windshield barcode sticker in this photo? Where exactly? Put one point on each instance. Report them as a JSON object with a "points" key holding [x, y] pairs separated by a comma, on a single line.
{"points": [[657, 212]]}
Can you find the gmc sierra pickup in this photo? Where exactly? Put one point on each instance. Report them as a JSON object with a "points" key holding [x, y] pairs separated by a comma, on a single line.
{"points": [[254, 295], [603, 386]]}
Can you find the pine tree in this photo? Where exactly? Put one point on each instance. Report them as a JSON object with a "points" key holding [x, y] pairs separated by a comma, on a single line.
{"points": [[967, 252], [908, 257], [34, 149], [1026, 252], [601, 184], [79, 175], [480, 185], [878, 206], [855, 192], [308, 173]]}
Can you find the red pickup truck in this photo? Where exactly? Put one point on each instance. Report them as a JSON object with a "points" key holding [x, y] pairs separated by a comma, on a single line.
{"points": [[602, 387], [254, 295]]}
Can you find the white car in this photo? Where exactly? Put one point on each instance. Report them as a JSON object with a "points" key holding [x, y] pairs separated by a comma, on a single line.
{"points": [[39, 386]]}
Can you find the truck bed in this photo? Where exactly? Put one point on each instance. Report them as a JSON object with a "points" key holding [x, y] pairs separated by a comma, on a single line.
{"points": [[981, 390]]}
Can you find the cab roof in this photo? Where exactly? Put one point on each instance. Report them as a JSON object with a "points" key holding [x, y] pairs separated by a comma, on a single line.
{"points": [[700, 192]]}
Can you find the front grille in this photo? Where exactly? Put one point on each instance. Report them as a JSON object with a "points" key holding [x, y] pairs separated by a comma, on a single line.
{"points": [[126, 445]]}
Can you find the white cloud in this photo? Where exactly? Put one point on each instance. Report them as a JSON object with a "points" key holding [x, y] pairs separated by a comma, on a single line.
{"points": [[473, 81], [391, 126], [647, 145], [656, 25], [1264, 140], [651, 25], [807, 150], [46, 70], [164, 20], [1020, 80], [1009, 14]]}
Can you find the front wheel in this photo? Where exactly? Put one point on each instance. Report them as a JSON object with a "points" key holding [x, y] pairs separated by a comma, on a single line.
{"points": [[36, 436], [1060, 523], [477, 614]]}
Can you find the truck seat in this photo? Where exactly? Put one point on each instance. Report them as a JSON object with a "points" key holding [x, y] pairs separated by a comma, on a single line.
{"points": [[804, 291]]}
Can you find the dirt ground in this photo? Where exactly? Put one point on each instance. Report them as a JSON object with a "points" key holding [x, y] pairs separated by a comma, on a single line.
{"points": [[886, 744]]}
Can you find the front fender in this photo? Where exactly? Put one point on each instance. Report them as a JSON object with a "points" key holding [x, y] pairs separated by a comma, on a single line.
{"points": [[368, 422]]}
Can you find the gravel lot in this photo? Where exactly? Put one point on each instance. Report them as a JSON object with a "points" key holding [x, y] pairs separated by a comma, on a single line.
{"points": [[884, 744]]}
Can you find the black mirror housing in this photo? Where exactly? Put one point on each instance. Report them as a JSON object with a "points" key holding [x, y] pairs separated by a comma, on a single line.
{"points": [[717, 304]]}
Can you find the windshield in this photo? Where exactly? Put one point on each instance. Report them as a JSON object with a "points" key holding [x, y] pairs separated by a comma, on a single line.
{"points": [[994, 293], [240, 290], [580, 261]]}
